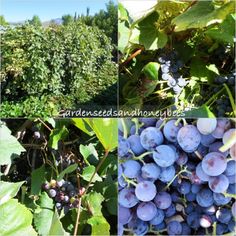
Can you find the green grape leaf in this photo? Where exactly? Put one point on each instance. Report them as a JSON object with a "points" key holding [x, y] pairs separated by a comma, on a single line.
{"points": [[89, 154], [99, 225], [202, 14], [9, 190], [43, 219], [225, 32], [105, 130], [111, 205], [123, 35], [122, 13], [109, 166], [93, 201], [56, 226], [13, 149], [37, 179], [68, 170], [56, 135], [147, 34], [15, 219], [201, 112], [83, 125], [200, 71], [88, 172]]}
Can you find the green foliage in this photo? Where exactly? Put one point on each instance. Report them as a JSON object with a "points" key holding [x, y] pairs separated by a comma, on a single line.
{"points": [[200, 34], [18, 222], [3, 22], [7, 155], [35, 21], [92, 147], [67, 19], [71, 64], [8, 190]]}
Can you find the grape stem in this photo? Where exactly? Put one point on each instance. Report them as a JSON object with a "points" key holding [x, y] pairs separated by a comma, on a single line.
{"points": [[230, 195], [135, 120], [86, 189], [231, 99], [213, 98], [229, 143], [139, 158], [125, 130], [44, 124], [182, 171], [198, 155], [128, 180]]}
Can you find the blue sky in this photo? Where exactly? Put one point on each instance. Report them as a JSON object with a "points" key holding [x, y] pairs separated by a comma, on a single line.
{"points": [[19, 10]]}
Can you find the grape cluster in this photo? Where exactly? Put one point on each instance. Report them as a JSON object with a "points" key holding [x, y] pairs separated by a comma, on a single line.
{"points": [[173, 178], [64, 193], [64, 159], [223, 105], [170, 67], [227, 79]]}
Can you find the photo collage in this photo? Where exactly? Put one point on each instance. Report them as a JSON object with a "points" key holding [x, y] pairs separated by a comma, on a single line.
{"points": [[117, 117]]}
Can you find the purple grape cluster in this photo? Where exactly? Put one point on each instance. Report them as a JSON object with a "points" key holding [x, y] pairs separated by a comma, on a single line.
{"points": [[65, 195], [173, 179], [223, 105], [170, 67]]}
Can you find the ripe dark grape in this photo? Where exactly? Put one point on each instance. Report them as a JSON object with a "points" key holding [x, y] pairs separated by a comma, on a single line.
{"points": [[150, 138], [214, 164], [189, 138], [177, 182], [145, 191], [146, 211]]}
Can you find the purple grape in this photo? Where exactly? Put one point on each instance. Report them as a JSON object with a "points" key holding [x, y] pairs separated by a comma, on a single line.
{"points": [[164, 156], [189, 138], [163, 200], [145, 191], [214, 164], [174, 228], [150, 138], [218, 184], [146, 211], [127, 198]]}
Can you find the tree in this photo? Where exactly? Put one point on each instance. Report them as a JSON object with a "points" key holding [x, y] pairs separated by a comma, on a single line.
{"points": [[35, 21], [3, 22], [67, 19], [107, 21]]}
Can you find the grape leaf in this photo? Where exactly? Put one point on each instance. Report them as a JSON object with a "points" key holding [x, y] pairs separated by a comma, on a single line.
{"points": [[201, 112], [68, 170], [89, 154], [13, 149], [111, 205], [225, 32], [202, 14], [9, 190], [122, 13], [37, 179], [105, 130], [56, 226], [88, 172], [82, 125], [200, 71], [99, 225], [43, 219], [56, 135], [93, 201], [15, 219], [124, 34], [147, 34]]}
